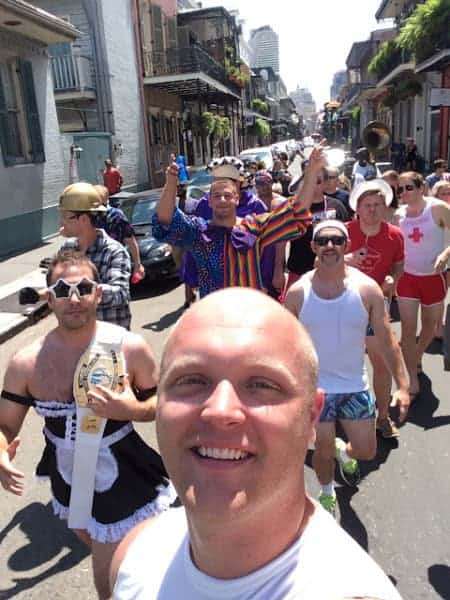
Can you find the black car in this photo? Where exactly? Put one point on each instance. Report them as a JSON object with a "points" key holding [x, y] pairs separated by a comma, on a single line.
{"points": [[156, 257]]}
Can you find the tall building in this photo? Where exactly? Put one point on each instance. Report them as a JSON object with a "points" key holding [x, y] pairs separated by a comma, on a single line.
{"points": [[339, 80], [304, 102], [306, 107], [266, 48]]}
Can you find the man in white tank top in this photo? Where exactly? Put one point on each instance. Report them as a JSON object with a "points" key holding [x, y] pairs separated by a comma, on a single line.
{"points": [[423, 222], [335, 303], [233, 428]]}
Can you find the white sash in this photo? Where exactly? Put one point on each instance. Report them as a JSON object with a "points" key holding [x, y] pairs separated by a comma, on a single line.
{"points": [[101, 364]]}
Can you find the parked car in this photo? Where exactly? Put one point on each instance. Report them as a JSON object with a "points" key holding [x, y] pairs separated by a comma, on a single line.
{"points": [[256, 154], [156, 257], [197, 188]]}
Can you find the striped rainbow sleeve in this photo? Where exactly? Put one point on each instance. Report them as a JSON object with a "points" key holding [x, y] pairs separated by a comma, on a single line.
{"points": [[285, 223]]}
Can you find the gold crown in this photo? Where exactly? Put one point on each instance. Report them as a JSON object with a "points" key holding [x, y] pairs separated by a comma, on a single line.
{"points": [[81, 197]]}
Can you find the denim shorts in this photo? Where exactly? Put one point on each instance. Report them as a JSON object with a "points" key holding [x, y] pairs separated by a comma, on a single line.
{"points": [[355, 406]]}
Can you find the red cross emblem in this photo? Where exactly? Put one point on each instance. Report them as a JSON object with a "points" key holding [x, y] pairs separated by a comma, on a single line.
{"points": [[416, 235]]}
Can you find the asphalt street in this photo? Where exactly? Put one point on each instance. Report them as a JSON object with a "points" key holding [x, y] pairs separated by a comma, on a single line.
{"points": [[400, 512]]}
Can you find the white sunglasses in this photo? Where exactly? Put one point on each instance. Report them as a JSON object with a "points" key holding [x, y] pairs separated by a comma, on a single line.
{"points": [[63, 289]]}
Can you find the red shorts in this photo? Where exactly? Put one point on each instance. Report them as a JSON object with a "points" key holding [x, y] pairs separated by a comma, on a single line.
{"points": [[426, 289]]}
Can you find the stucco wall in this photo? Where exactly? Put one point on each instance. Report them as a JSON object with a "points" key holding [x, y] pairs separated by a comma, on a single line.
{"points": [[29, 192]]}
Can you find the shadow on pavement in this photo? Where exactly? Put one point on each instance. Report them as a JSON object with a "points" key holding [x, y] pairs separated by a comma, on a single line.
{"points": [[350, 520], [151, 289], [47, 537], [165, 321], [423, 408], [439, 577]]}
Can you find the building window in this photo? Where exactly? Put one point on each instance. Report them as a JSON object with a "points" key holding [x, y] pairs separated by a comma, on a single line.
{"points": [[20, 130]]}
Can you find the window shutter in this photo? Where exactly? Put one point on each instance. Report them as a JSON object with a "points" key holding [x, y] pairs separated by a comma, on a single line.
{"points": [[5, 138], [172, 32], [157, 40], [29, 97]]}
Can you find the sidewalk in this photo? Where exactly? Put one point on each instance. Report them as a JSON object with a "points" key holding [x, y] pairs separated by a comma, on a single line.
{"points": [[15, 273]]}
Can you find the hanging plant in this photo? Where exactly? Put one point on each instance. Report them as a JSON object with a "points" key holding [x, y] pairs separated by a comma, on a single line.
{"points": [[426, 29], [384, 58], [208, 122], [390, 99], [356, 113], [226, 127], [408, 88], [260, 106], [262, 128]]}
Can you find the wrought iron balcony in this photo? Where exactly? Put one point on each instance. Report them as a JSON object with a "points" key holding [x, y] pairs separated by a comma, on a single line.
{"points": [[72, 77], [193, 62]]}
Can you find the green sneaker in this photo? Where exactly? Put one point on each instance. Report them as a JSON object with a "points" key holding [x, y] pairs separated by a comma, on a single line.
{"points": [[349, 470], [328, 503]]}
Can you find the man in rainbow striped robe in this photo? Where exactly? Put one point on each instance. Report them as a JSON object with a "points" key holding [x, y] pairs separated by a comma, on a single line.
{"points": [[228, 249]]}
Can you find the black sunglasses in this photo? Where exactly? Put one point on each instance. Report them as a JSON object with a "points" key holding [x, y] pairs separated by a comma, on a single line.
{"points": [[336, 240], [402, 188]]}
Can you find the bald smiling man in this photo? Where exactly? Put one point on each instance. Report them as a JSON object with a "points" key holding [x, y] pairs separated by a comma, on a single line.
{"points": [[234, 423]]}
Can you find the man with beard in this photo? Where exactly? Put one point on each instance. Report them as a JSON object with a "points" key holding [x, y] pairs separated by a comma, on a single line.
{"points": [[335, 303], [104, 478], [301, 256]]}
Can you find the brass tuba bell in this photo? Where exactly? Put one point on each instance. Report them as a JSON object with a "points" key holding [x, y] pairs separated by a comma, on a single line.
{"points": [[376, 136]]}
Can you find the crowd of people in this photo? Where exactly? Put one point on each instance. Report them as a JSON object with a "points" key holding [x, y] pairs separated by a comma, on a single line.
{"points": [[233, 423]]}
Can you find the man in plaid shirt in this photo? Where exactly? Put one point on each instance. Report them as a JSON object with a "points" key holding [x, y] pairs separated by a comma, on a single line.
{"points": [[79, 206]]}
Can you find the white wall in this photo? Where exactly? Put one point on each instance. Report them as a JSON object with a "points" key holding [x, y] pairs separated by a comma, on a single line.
{"points": [[127, 111]]}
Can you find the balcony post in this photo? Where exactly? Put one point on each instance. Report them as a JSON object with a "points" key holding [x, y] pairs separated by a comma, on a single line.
{"points": [[445, 119]]}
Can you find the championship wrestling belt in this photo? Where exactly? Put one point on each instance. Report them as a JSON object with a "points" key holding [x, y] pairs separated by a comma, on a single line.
{"points": [[102, 363]]}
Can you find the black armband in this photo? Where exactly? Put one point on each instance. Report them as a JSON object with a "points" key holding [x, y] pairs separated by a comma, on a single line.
{"points": [[24, 400], [143, 395]]}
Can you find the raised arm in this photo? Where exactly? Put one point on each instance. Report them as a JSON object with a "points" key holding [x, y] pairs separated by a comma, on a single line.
{"points": [[314, 168], [168, 198]]}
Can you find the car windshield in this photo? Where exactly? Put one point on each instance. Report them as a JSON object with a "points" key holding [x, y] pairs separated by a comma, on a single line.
{"points": [[256, 157], [201, 178], [140, 211]]}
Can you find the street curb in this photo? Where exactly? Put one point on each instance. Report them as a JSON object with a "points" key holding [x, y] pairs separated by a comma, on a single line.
{"points": [[30, 318]]}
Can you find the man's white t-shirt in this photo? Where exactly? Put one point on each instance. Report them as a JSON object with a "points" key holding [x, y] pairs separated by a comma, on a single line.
{"points": [[325, 563]]}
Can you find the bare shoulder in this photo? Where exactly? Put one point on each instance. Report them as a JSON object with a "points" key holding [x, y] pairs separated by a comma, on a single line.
{"points": [[123, 547], [295, 295], [277, 201], [23, 361], [368, 288]]}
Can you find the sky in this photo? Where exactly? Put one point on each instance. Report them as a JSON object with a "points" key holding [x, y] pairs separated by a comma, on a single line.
{"points": [[315, 35]]}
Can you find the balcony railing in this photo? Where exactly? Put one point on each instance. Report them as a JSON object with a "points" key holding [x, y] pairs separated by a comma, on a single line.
{"points": [[72, 73], [194, 59]]}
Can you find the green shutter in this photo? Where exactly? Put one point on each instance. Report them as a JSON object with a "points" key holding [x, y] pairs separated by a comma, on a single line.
{"points": [[5, 138], [34, 126], [157, 40], [172, 32]]}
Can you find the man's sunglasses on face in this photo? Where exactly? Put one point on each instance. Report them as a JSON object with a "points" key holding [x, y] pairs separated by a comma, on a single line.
{"points": [[63, 289], [405, 188], [336, 240]]}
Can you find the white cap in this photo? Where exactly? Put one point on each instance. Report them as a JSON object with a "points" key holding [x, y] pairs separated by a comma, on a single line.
{"points": [[373, 185], [333, 223]]}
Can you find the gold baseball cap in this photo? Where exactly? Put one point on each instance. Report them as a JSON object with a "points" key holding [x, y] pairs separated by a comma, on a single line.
{"points": [[226, 172], [81, 197]]}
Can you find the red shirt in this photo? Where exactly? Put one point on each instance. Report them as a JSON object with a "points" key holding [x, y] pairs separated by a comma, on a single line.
{"points": [[382, 250], [112, 179]]}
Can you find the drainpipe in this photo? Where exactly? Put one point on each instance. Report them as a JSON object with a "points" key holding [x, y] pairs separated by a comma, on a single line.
{"points": [[140, 68]]}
